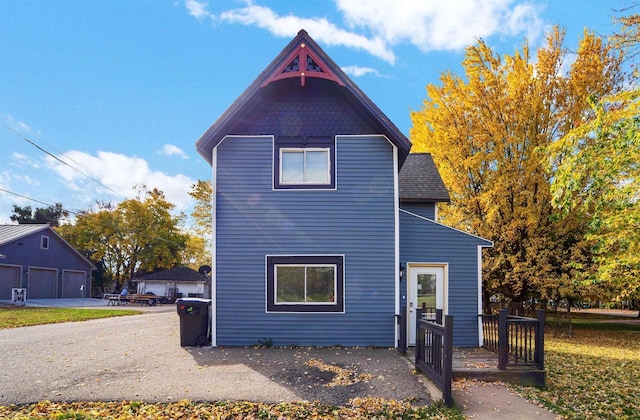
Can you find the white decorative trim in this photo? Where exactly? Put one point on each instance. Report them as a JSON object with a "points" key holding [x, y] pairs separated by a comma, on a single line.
{"points": [[214, 244], [396, 221]]}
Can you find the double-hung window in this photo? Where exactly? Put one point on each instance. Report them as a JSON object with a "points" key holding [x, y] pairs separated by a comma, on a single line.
{"points": [[307, 163], [305, 284]]}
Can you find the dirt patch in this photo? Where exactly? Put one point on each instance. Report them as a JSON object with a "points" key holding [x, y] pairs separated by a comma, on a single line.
{"points": [[331, 375]]}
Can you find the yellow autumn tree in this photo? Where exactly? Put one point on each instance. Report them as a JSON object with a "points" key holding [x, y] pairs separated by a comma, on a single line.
{"points": [[597, 171], [199, 245], [137, 234], [488, 132]]}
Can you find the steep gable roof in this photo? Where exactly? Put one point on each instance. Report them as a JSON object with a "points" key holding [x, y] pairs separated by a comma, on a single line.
{"points": [[302, 58], [419, 180], [12, 233]]}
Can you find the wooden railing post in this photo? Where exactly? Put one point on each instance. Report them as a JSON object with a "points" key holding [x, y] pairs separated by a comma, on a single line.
{"points": [[419, 336], [503, 339], [448, 361], [540, 339], [401, 321]]}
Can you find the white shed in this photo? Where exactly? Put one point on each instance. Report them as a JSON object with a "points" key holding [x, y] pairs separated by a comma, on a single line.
{"points": [[175, 283]]}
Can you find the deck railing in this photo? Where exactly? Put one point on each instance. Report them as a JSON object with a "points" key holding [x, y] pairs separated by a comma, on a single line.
{"points": [[518, 340], [401, 326], [434, 351]]}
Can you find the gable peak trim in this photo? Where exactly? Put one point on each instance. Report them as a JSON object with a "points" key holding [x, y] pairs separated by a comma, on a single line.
{"points": [[303, 62]]}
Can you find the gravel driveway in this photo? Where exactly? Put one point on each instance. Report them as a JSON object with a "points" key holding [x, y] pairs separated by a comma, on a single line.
{"points": [[139, 358]]}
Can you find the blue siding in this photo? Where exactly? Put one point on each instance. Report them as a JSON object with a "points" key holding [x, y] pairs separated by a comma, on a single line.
{"points": [[426, 241], [26, 252], [427, 210], [355, 220]]}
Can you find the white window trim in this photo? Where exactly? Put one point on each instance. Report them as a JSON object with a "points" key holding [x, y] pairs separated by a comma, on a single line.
{"points": [[44, 242], [335, 284], [304, 151]]}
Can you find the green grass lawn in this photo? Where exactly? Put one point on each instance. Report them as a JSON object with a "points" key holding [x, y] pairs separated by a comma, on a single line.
{"points": [[593, 375], [23, 316]]}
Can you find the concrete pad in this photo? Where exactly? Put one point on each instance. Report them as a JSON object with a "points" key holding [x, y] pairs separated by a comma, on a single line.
{"points": [[490, 400]]}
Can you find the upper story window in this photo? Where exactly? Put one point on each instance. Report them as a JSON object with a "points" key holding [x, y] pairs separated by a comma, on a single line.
{"points": [[304, 163], [305, 166], [44, 242]]}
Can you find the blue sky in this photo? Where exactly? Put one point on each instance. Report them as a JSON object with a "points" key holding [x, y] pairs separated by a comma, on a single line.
{"points": [[120, 90]]}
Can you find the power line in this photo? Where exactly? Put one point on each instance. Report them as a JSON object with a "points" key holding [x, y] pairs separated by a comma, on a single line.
{"points": [[75, 169], [61, 161], [76, 213], [34, 200]]}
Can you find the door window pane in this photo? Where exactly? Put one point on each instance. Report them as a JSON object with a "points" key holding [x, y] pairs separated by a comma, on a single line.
{"points": [[427, 290]]}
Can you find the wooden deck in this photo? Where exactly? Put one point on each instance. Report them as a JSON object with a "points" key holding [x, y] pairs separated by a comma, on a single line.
{"points": [[482, 364]]}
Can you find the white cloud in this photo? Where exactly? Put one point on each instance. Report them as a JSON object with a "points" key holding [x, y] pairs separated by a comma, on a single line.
{"points": [[288, 26], [357, 71], [21, 160], [375, 26], [447, 25], [197, 9], [18, 126], [26, 179], [319, 28], [118, 174], [171, 150]]}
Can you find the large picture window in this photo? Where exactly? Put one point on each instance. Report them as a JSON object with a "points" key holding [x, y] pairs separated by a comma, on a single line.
{"points": [[305, 284], [304, 163]]}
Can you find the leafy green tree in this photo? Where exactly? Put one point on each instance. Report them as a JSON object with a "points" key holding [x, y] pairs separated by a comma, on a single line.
{"points": [[138, 234], [598, 173], [51, 214], [488, 132], [200, 244]]}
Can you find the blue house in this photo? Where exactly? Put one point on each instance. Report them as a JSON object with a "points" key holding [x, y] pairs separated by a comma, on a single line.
{"points": [[312, 228], [35, 257]]}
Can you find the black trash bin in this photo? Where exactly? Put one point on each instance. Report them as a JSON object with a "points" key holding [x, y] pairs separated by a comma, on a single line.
{"points": [[194, 321]]}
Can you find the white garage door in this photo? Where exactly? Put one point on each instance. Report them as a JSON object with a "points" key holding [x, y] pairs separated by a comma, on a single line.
{"points": [[9, 278], [42, 284], [71, 283]]}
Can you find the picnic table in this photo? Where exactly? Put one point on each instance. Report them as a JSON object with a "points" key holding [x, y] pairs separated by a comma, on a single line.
{"points": [[118, 300]]}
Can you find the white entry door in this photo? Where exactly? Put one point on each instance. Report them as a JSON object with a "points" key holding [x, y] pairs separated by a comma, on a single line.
{"points": [[426, 284]]}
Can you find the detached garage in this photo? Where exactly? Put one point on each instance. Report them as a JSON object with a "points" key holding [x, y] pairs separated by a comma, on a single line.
{"points": [[35, 257], [9, 278]]}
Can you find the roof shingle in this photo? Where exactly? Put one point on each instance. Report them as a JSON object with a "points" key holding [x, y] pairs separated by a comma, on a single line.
{"points": [[419, 180]]}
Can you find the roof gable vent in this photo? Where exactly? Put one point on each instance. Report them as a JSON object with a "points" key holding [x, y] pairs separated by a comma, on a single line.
{"points": [[302, 62]]}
